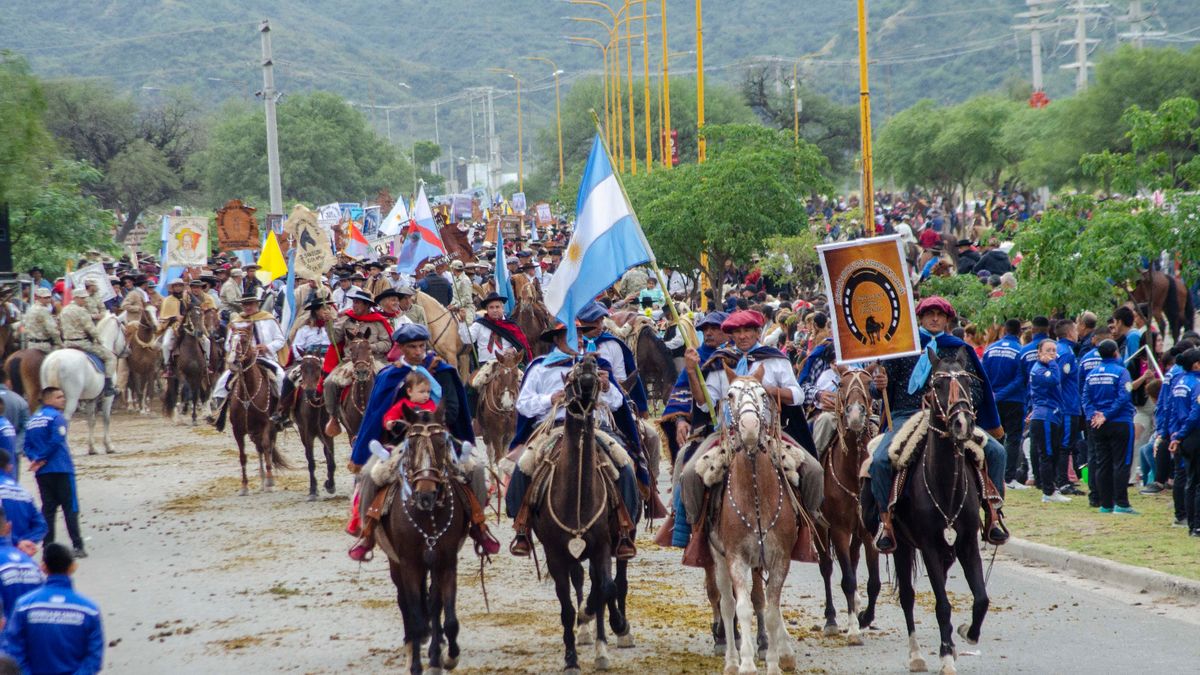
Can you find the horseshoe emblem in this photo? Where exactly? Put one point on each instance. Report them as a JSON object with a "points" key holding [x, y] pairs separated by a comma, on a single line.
{"points": [[870, 302]]}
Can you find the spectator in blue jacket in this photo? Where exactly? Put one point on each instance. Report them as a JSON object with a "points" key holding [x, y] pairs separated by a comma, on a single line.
{"points": [[1185, 432], [1109, 411], [19, 574], [28, 524], [1088, 360], [1064, 332], [1004, 368], [16, 411], [50, 460], [1045, 420], [54, 629]]}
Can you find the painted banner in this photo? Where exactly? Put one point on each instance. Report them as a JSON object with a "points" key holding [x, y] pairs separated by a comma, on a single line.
{"points": [[543, 214], [313, 255], [94, 272], [237, 228], [371, 220], [187, 242], [870, 299], [329, 215], [518, 203]]}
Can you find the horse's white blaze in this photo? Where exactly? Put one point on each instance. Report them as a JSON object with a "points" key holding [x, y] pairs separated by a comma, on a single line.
{"points": [[506, 400]]}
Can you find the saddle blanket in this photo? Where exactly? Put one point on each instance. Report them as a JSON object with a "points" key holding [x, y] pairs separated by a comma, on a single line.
{"points": [[539, 447], [911, 438], [97, 362], [712, 460]]}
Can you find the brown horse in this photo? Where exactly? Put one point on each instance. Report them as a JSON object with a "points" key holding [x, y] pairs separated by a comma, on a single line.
{"points": [[309, 412], [143, 362], [577, 522], [846, 533], [755, 527], [457, 244], [532, 317], [190, 383], [251, 403], [653, 359], [443, 333], [498, 404], [24, 368], [354, 405], [1170, 303], [422, 535]]}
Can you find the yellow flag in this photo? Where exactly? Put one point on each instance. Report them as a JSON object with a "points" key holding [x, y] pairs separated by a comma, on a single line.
{"points": [[271, 261]]}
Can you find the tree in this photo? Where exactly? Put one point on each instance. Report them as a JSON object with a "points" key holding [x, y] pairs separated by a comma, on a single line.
{"points": [[424, 154], [25, 146], [141, 153], [1163, 150], [327, 153], [60, 219]]}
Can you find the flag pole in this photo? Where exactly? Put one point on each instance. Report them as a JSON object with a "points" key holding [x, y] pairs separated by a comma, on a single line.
{"points": [[689, 337]]}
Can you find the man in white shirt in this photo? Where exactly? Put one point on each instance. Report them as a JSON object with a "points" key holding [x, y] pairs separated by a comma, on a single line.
{"points": [[492, 334], [268, 339]]}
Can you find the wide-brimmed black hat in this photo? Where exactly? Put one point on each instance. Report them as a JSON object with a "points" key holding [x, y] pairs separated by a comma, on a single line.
{"points": [[492, 297], [316, 302], [389, 293]]}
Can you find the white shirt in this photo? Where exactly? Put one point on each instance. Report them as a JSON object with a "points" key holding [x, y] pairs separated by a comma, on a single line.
{"points": [[340, 301], [541, 383], [610, 351], [267, 332], [480, 336], [677, 283], [777, 373], [308, 337]]}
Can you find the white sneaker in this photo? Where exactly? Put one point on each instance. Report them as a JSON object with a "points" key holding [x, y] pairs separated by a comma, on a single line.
{"points": [[1014, 485], [1056, 498]]}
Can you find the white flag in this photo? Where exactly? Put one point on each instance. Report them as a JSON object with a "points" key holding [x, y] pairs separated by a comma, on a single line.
{"points": [[396, 219]]}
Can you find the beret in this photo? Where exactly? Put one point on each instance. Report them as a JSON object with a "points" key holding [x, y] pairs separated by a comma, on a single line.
{"points": [[593, 311], [410, 332], [936, 302], [744, 318]]}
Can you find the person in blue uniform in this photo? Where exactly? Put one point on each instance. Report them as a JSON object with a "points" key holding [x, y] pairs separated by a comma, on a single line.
{"points": [[1003, 365], [1045, 419], [1184, 432], [1108, 408], [19, 574], [55, 629], [1073, 423], [28, 524], [50, 461]]}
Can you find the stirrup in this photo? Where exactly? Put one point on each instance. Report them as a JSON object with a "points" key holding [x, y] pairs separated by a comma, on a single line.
{"points": [[623, 553], [523, 539]]}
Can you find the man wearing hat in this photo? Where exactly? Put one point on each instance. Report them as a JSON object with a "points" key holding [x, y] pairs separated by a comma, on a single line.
{"points": [[138, 300], [232, 292], [435, 285], [746, 357], [344, 284], [409, 307], [376, 281], [40, 325], [311, 335], [613, 349], [358, 322], [39, 280], [542, 388], [79, 331], [905, 380], [525, 283], [463, 293], [410, 353], [389, 306], [95, 308], [269, 340], [492, 334], [174, 307]]}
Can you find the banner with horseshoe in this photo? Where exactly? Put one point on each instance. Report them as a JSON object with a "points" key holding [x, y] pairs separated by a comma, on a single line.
{"points": [[870, 299]]}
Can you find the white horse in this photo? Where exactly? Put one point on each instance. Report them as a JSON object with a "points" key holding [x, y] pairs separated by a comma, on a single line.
{"points": [[72, 371]]}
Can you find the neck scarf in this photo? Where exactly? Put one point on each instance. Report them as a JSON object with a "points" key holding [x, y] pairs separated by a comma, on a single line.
{"points": [[920, 373]]}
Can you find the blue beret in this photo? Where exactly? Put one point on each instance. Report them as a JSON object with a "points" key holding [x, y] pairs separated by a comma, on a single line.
{"points": [[410, 332], [712, 319], [593, 311]]}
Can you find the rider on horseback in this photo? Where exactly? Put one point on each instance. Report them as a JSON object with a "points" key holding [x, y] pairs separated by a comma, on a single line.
{"points": [[360, 321], [905, 380], [174, 307], [612, 349], [268, 341], [79, 331], [542, 392], [39, 325]]}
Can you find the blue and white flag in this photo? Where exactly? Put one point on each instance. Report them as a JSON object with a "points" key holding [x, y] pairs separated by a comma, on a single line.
{"points": [[165, 274], [503, 283], [607, 241], [288, 316]]}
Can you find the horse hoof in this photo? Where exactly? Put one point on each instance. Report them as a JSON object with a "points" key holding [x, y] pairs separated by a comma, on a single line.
{"points": [[312, 496], [601, 663], [761, 654], [854, 639], [864, 621], [831, 630], [583, 636], [731, 670], [917, 664], [748, 670], [92, 451], [718, 649], [787, 663], [625, 641], [449, 663], [948, 666], [571, 671], [330, 487], [962, 633], [773, 669], [433, 671], [243, 492]]}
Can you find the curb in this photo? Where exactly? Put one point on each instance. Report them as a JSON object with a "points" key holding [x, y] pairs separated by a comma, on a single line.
{"points": [[1101, 569]]}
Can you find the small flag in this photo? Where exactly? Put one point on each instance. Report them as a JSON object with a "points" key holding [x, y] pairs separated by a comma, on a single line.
{"points": [[288, 316], [396, 219], [66, 294], [503, 283], [270, 260], [423, 240], [356, 243]]}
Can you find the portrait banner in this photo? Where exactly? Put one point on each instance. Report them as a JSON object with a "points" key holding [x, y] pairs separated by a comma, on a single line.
{"points": [[94, 272], [870, 299], [187, 242], [237, 228], [313, 256]]}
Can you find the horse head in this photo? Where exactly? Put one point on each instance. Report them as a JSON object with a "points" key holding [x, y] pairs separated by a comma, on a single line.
{"points": [[583, 386], [949, 398], [748, 408], [854, 398], [427, 456], [241, 352], [358, 351], [310, 378], [193, 321], [507, 380]]}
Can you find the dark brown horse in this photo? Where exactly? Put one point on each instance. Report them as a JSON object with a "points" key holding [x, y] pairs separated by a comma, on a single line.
{"points": [[24, 368], [458, 246], [422, 535], [1170, 303], [938, 516], [577, 522], [143, 362], [846, 534], [533, 319], [252, 402], [191, 382], [654, 362], [308, 410], [498, 404], [354, 405]]}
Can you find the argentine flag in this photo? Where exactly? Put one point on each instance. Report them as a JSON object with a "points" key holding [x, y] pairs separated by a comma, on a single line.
{"points": [[607, 241], [503, 283]]}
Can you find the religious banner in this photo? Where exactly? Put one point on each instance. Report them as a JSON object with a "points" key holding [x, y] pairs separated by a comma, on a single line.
{"points": [[518, 203], [95, 273], [314, 256], [237, 228], [870, 299], [370, 224], [461, 208], [543, 214], [329, 215], [187, 242]]}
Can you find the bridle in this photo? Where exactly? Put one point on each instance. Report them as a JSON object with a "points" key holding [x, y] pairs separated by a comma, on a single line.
{"points": [[310, 397], [958, 401], [749, 396], [856, 392], [578, 404], [423, 464], [492, 392]]}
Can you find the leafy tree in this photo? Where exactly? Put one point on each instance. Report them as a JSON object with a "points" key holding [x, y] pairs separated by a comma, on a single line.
{"points": [[424, 153], [327, 153], [142, 153], [964, 291], [25, 146], [1163, 152], [60, 218]]}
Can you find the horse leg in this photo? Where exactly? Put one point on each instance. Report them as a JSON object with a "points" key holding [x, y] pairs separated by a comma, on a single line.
{"points": [[714, 602], [266, 456], [619, 617], [972, 566], [327, 444], [435, 621], [106, 408], [849, 567], [867, 616], [582, 635], [935, 569], [758, 601], [779, 649], [89, 409], [307, 440], [241, 443], [409, 599], [450, 622], [605, 593], [904, 562], [724, 583], [559, 569], [741, 576], [825, 563]]}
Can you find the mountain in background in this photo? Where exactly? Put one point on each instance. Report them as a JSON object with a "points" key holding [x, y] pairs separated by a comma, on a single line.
{"points": [[947, 50]]}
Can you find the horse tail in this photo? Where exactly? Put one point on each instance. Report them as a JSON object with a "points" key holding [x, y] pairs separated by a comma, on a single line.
{"points": [[15, 381], [1171, 304], [277, 458]]}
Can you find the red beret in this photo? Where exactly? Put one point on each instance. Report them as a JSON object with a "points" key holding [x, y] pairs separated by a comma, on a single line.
{"points": [[936, 302], [745, 318]]}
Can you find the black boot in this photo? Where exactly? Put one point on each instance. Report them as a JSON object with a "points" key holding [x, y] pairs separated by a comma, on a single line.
{"points": [[282, 417], [109, 390]]}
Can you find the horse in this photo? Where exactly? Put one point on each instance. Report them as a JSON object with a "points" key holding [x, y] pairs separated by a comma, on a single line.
{"points": [[191, 380], [142, 363], [577, 522], [873, 328], [1170, 303], [24, 368], [496, 411], [846, 533], [458, 246], [939, 514], [72, 371], [251, 404], [10, 319], [443, 333], [310, 415], [422, 535], [755, 527], [532, 317], [354, 405], [653, 359]]}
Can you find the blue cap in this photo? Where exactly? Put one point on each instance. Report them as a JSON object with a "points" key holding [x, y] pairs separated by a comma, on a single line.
{"points": [[410, 332], [712, 319], [593, 311]]}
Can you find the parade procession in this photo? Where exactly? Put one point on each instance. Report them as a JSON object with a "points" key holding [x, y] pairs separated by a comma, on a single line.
{"points": [[371, 377]]}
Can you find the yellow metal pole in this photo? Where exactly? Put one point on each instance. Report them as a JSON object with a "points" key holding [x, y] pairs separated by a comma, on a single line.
{"points": [[700, 144], [520, 142], [629, 74], [618, 98], [868, 178], [666, 92], [646, 86]]}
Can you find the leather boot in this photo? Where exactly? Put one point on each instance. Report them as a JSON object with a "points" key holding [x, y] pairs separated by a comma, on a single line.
{"points": [[521, 543], [994, 531], [109, 390], [885, 541], [485, 543], [625, 546], [361, 551]]}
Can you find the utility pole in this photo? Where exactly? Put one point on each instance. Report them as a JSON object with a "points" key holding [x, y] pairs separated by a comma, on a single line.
{"points": [[269, 97], [1081, 42], [493, 144], [1036, 13], [1137, 18]]}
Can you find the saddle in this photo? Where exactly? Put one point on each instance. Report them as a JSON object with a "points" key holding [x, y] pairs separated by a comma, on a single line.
{"points": [[712, 461], [909, 443], [537, 461], [97, 362]]}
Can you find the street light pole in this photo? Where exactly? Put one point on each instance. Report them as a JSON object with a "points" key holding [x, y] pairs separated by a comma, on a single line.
{"points": [[646, 85], [700, 144], [605, 79], [629, 73], [666, 92], [557, 111], [868, 178]]}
